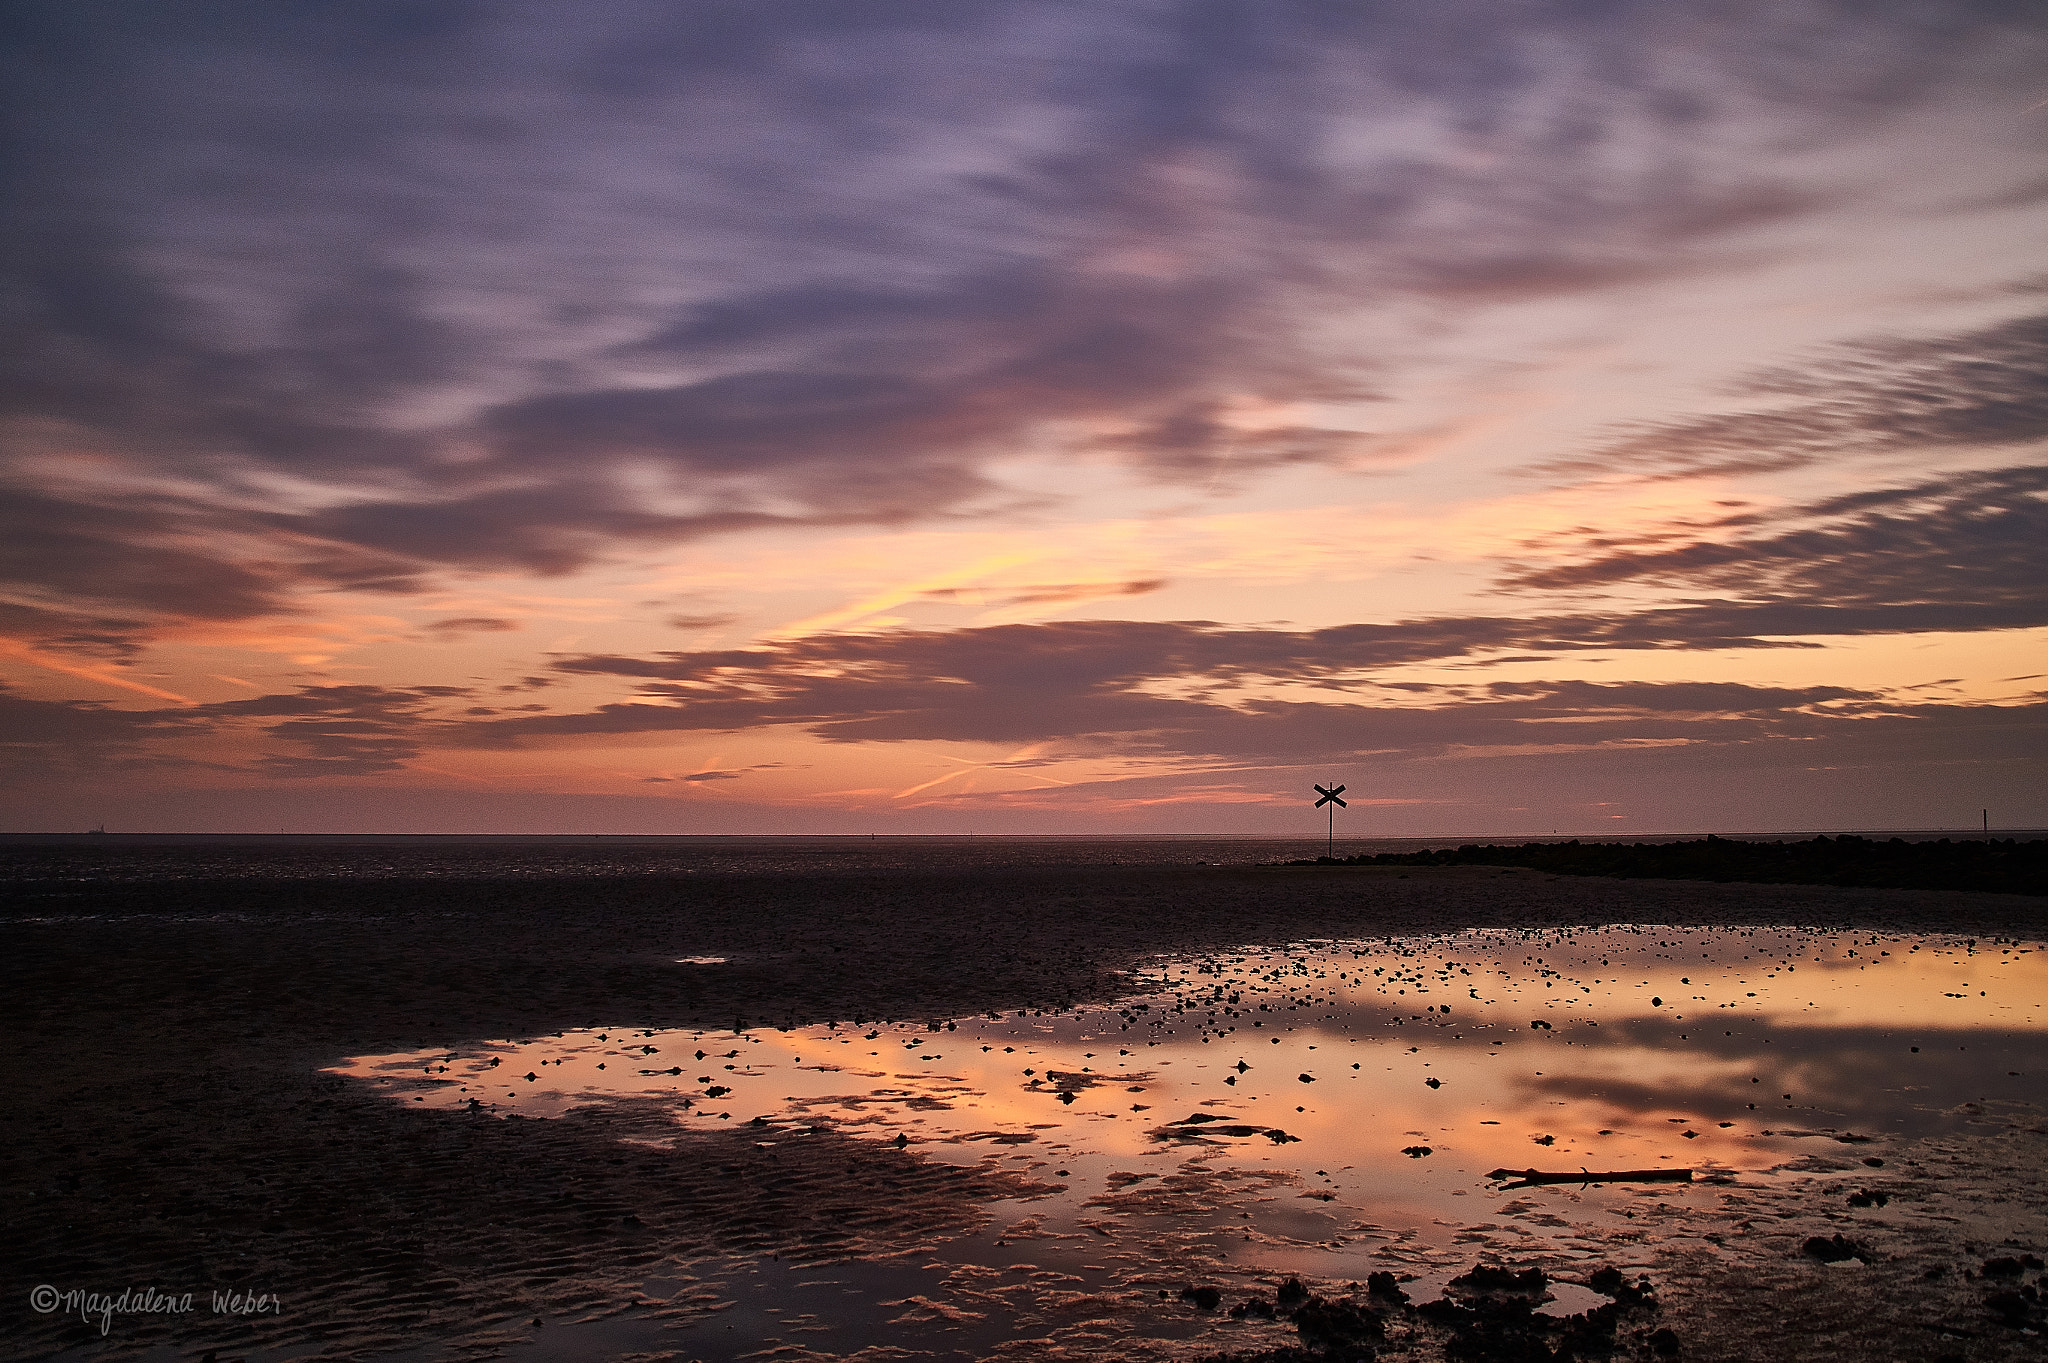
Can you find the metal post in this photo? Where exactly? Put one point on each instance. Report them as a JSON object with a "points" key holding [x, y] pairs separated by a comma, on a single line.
{"points": [[1330, 796]]}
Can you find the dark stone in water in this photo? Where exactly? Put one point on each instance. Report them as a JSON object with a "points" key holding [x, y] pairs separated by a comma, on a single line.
{"points": [[1489, 1278], [1205, 1298], [2012, 1308], [1833, 1249], [1341, 1329], [1612, 1282], [1417, 1151], [1665, 1342], [1492, 1316], [1292, 1293]]}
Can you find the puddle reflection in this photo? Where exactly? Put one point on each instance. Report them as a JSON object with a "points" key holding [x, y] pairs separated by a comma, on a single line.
{"points": [[1335, 1108], [1387, 1076]]}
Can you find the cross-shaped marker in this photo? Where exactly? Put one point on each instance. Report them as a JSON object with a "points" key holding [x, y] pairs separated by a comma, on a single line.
{"points": [[1330, 794]]}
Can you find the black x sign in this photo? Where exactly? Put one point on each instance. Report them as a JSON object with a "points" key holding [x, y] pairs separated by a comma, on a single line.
{"points": [[1331, 794]]}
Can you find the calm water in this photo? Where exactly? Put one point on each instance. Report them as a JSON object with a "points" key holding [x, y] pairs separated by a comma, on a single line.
{"points": [[55, 861], [1329, 1108], [46, 861]]}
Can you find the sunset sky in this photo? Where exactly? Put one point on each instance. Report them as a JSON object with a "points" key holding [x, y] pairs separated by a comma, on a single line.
{"points": [[791, 416]]}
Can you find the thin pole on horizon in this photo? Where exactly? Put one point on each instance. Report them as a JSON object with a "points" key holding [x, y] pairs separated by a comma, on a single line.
{"points": [[1987, 820], [1329, 797]]}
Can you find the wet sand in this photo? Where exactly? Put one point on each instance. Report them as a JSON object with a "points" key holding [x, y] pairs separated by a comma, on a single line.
{"points": [[170, 1125]]}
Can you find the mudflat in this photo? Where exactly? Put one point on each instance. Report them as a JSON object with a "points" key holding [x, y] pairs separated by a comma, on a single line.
{"points": [[171, 1125]]}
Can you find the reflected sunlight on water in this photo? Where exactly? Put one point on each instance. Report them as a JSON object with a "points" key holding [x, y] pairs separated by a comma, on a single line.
{"points": [[1379, 1082]]}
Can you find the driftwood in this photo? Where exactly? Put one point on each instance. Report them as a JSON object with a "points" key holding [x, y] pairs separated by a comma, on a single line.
{"points": [[1531, 1178]]}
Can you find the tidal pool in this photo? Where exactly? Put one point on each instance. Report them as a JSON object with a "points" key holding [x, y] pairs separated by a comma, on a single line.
{"points": [[1333, 1108]]}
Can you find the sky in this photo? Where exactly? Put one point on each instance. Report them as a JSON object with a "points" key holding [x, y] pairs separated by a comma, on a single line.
{"points": [[956, 416]]}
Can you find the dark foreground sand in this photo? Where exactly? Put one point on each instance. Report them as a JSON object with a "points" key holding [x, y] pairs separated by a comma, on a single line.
{"points": [[168, 1123]]}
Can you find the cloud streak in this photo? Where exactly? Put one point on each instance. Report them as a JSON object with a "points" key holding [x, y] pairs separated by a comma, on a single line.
{"points": [[1986, 389], [1965, 551]]}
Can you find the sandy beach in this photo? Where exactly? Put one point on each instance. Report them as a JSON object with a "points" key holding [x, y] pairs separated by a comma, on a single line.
{"points": [[171, 1124]]}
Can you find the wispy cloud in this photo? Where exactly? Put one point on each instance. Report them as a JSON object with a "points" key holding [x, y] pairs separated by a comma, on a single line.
{"points": [[1985, 389], [487, 295]]}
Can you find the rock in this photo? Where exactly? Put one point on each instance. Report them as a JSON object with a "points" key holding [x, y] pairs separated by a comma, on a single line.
{"points": [[1340, 1329], [1417, 1151], [1664, 1342], [1434, 1083], [1833, 1249], [1291, 1293], [1612, 1282], [1385, 1287], [1204, 1298], [1490, 1278]]}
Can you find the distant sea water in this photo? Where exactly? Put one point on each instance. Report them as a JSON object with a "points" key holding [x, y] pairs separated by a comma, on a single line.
{"points": [[168, 857], [141, 857]]}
